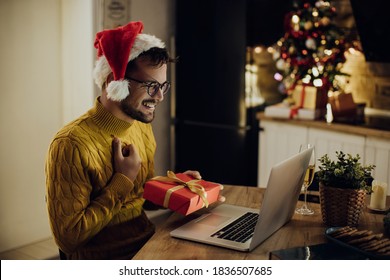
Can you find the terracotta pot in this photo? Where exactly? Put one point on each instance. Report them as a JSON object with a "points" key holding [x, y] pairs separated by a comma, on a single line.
{"points": [[341, 207]]}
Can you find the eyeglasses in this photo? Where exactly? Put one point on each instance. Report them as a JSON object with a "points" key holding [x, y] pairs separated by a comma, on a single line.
{"points": [[153, 87]]}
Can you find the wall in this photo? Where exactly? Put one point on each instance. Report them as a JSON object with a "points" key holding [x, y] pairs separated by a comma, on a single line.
{"points": [[77, 57], [45, 77]]}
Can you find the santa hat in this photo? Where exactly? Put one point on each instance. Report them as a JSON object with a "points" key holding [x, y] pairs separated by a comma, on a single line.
{"points": [[115, 48]]}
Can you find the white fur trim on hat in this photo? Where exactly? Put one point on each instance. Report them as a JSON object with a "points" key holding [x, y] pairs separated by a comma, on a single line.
{"points": [[143, 43], [101, 71], [118, 90]]}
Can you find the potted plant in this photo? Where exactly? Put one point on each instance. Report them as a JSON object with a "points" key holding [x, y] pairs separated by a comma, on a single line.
{"points": [[343, 186]]}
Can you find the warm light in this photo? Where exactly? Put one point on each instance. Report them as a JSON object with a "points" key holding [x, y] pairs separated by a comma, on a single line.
{"points": [[317, 83], [329, 114], [295, 19], [322, 3], [315, 71], [270, 50], [315, 13], [278, 77], [306, 79], [354, 51], [258, 49], [328, 52]]}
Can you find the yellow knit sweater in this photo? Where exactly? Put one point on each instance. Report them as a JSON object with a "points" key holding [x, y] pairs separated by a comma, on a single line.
{"points": [[91, 209]]}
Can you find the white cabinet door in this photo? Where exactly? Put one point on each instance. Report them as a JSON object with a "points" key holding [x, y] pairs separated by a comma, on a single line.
{"points": [[278, 141], [378, 153], [328, 142]]}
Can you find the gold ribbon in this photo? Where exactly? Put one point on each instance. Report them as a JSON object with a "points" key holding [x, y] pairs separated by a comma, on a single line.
{"points": [[192, 185]]}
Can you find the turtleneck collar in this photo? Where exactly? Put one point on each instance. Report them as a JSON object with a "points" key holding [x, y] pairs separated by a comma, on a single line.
{"points": [[108, 121]]}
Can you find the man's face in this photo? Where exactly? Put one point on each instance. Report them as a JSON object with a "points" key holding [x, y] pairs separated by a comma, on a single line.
{"points": [[139, 105]]}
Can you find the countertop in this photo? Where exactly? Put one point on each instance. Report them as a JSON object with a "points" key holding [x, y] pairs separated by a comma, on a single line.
{"points": [[373, 126], [300, 231]]}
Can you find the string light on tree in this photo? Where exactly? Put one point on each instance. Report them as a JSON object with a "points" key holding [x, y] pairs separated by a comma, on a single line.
{"points": [[312, 49]]}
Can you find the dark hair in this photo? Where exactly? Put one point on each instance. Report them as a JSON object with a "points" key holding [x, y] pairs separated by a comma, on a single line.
{"points": [[154, 56]]}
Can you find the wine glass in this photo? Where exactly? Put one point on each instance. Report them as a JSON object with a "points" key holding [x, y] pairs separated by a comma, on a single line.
{"points": [[305, 210]]}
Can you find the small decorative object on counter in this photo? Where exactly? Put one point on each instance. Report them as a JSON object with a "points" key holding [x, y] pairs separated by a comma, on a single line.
{"points": [[344, 184], [378, 195], [343, 106], [309, 97], [180, 192]]}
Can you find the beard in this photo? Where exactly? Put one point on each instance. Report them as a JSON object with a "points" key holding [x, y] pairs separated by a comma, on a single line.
{"points": [[136, 114]]}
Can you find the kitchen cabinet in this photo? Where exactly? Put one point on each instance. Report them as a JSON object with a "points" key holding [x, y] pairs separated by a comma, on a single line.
{"points": [[280, 139], [377, 152], [328, 142]]}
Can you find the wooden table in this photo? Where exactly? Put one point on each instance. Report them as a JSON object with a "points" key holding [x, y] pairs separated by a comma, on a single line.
{"points": [[300, 231]]}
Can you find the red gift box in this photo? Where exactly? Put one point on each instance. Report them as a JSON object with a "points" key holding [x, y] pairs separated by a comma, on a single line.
{"points": [[180, 192]]}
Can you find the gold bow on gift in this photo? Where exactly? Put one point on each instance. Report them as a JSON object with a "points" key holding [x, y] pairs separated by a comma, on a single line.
{"points": [[192, 185]]}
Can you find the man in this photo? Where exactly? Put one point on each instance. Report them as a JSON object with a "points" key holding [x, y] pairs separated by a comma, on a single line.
{"points": [[97, 165]]}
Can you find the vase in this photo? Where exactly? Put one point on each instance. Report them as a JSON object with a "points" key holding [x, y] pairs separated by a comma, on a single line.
{"points": [[341, 207]]}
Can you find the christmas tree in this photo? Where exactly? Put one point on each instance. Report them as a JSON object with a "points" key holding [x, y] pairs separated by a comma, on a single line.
{"points": [[312, 49]]}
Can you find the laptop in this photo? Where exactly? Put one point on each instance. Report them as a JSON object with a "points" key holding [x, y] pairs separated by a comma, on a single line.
{"points": [[278, 206]]}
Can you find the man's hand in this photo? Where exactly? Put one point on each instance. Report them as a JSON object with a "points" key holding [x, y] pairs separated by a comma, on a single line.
{"points": [[197, 175], [126, 160], [193, 173]]}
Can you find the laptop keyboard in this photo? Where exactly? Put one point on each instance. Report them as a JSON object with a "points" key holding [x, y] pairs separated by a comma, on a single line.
{"points": [[240, 230]]}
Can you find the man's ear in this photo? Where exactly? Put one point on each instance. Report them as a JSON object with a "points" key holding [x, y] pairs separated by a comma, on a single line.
{"points": [[109, 79]]}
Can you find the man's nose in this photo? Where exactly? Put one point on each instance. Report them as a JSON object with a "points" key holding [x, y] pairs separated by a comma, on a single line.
{"points": [[159, 95]]}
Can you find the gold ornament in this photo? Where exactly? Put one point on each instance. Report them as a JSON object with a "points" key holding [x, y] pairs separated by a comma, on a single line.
{"points": [[325, 21], [308, 25]]}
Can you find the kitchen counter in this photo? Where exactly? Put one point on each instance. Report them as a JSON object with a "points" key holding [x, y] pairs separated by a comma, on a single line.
{"points": [[374, 126], [300, 231]]}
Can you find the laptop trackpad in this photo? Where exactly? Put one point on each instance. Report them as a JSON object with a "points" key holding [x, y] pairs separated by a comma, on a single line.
{"points": [[213, 220]]}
